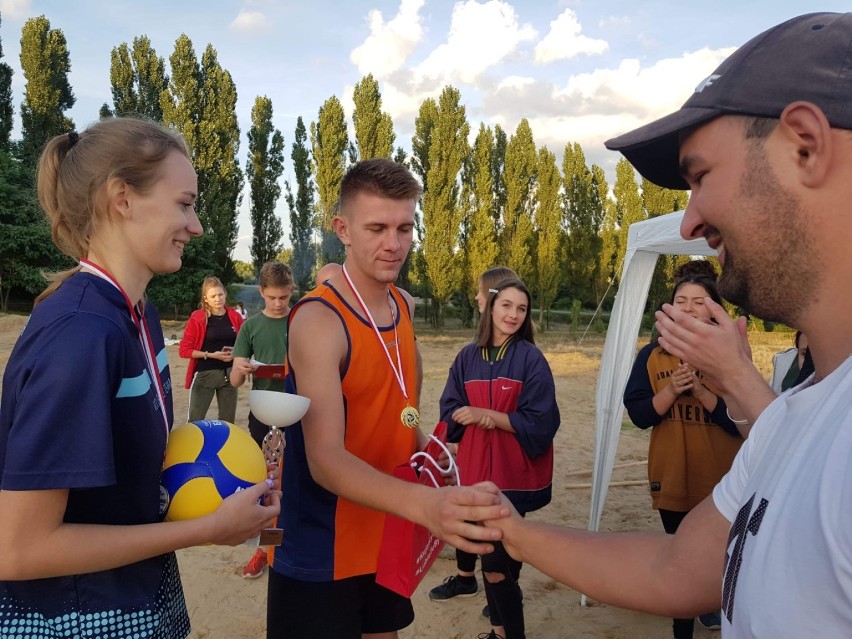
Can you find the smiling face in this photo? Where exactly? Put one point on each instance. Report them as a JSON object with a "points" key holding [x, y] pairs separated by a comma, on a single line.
{"points": [[689, 298], [508, 313], [738, 205], [377, 233], [160, 222]]}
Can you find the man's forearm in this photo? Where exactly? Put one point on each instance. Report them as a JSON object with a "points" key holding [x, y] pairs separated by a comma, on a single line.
{"points": [[647, 571]]}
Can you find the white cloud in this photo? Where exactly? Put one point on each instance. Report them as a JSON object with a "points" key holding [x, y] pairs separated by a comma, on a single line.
{"points": [[250, 22], [390, 43], [566, 41], [592, 107], [643, 92], [481, 35], [16, 9]]}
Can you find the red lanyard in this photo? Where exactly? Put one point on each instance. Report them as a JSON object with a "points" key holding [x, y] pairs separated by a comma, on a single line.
{"points": [[137, 315]]}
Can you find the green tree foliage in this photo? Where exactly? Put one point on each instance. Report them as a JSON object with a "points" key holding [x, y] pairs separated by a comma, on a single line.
{"points": [[442, 214], [122, 82], [608, 234], [201, 104], [220, 179], [628, 207], [498, 180], [329, 142], [657, 201], [244, 271], [400, 156], [264, 167], [181, 103], [520, 172], [548, 222], [301, 210], [6, 108], [482, 247], [26, 249], [138, 79], [47, 95], [584, 215], [424, 123], [374, 134]]}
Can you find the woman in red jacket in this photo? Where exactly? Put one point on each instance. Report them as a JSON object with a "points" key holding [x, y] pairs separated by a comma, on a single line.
{"points": [[500, 402], [207, 342]]}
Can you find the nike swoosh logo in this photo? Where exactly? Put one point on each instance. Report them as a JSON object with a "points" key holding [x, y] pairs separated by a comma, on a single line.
{"points": [[505, 388]]}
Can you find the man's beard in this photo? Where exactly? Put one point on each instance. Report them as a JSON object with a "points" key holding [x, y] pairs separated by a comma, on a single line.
{"points": [[777, 280]]}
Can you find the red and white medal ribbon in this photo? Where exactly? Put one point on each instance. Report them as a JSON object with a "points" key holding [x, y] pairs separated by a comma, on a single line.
{"points": [[137, 315], [410, 417]]}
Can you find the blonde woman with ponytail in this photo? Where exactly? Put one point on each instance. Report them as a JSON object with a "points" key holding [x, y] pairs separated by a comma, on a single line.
{"points": [[87, 402]]}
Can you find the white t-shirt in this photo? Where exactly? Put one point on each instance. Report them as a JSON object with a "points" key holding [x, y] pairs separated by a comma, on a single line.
{"points": [[788, 569]]}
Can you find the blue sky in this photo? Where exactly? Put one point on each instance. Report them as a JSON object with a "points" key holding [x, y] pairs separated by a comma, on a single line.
{"points": [[578, 70]]}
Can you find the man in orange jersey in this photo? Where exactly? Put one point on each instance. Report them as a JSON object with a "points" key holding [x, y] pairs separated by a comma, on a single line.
{"points": [[352, 352]]}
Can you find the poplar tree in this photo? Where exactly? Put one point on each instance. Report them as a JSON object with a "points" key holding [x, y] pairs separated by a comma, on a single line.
{"points": [[374, 134], [658, 200], [137, 79], [200, 104], [583, 219], [6, 108], [482, 247], [220, 178], [442, 215], [181, 102], [608, 233], [264, 167], [628, 207], [47, 95], [122, 82], [329, 142], [301, 210], [548, 234], [424, 123], [498, 179], [520, 174]]}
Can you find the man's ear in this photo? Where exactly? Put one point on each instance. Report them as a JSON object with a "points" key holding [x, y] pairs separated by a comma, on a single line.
{"points": [[341, 228], [806, 127]]}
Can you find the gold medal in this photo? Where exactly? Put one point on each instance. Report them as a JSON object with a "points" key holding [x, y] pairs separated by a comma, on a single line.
{"points": [[410, 417]]}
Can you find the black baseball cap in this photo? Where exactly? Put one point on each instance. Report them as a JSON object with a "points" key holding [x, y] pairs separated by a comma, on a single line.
{"points": [[806, 58]]}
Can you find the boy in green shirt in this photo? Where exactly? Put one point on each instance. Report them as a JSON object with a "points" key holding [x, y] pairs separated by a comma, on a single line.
{"points": [[263, 339]]}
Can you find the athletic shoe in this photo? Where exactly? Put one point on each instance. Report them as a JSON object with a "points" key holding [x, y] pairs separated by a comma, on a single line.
{"points": [[490, 635], [453, 587], [254, 568], [711, 620]]}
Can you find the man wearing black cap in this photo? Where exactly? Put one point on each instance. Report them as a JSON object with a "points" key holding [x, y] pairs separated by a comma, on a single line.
{"points": [[765, 145]]}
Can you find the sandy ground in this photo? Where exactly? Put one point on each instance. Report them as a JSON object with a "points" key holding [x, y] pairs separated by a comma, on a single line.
{"points": [[223, 605]]}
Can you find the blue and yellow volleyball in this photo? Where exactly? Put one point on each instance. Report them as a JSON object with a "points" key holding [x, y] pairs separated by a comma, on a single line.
{"points": [[206, 461]]}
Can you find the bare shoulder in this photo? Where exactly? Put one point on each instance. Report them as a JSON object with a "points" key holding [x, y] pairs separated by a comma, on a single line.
{"points": [[408, 300], [318, 327]]}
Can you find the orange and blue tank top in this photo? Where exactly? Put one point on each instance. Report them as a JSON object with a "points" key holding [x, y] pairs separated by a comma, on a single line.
{"points": [[327, 537]]}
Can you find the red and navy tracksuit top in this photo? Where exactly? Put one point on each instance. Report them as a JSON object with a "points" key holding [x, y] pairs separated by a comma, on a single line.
{"points": [[519, 382]]}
